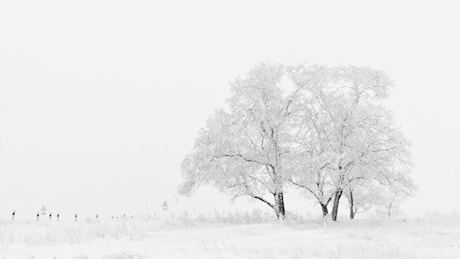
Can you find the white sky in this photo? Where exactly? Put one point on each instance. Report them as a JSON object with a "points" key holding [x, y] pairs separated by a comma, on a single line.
{"points": [[100, 100]]}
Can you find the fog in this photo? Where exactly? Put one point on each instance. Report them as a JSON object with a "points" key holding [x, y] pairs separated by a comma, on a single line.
{"points": [[100, 101]]}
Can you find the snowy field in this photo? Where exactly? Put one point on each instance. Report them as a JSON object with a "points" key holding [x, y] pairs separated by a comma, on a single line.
{"points": [[180, 238]]}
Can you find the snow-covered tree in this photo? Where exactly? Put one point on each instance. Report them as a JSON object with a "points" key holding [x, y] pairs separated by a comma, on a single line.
{"points": [[321, 129], [309, 159], [363, 195], [245, 151], [399, 189], [349, 134]]}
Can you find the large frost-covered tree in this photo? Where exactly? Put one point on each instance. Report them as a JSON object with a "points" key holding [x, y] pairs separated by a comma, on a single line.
{"points": [[245, 151], [321, 129]]}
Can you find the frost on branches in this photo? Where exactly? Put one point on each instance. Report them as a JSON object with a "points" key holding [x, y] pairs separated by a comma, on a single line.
{"points": [[320, 129]]}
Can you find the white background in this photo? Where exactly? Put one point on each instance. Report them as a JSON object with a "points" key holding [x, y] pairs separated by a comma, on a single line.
{"points": [[101, 100]]}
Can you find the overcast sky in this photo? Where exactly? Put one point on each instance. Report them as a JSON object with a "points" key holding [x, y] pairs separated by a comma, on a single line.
{"points": [[100, 100]]}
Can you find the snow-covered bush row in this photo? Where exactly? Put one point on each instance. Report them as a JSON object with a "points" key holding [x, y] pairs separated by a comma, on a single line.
{"points": [[36, 233]]}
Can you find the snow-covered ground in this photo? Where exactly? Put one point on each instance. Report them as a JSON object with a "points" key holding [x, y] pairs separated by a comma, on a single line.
{"points": [[152, 238]]}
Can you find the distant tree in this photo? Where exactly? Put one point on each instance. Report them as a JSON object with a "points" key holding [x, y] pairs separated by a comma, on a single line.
{"points": [[399, 189], [363, 195]]}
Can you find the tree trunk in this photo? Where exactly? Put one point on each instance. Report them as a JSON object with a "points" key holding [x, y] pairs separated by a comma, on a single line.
{"points": [[279, 205], [352, 211], [389, 209], [335, 207], [324, 209], [272, 206]]}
